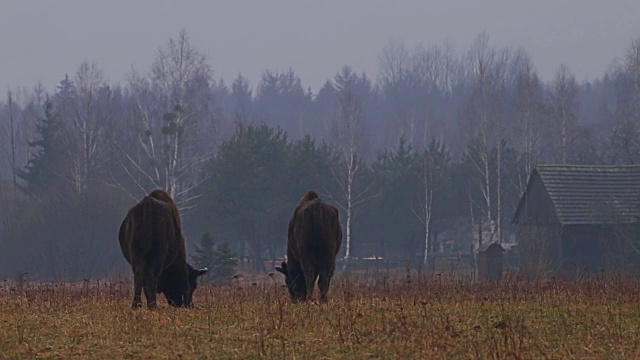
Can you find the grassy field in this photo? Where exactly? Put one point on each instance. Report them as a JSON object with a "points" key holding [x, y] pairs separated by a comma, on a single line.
{"points": [[379, 319]]}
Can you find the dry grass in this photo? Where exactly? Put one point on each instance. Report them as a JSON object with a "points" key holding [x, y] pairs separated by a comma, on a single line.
{"points": [[428, 318]]}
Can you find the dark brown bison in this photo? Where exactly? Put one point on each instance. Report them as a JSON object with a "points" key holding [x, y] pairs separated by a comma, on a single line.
{"points": [[152, 242], [313, 241]]}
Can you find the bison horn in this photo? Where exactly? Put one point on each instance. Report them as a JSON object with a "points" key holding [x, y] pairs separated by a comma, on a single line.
{"points": [[201, 271], [283, 269]]}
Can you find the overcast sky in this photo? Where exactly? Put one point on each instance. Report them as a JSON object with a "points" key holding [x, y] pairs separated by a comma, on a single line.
{"points": [[43, 40]]}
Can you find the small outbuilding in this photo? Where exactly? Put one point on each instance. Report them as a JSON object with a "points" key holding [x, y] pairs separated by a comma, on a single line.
{"points": [[578, 220], [490, 261]]}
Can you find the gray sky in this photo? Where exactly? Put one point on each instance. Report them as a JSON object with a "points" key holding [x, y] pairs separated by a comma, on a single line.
{"points": [[43, 40]]}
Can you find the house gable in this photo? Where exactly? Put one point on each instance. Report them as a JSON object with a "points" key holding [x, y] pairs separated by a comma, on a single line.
{"points": [[581, 195], [535, 205]]}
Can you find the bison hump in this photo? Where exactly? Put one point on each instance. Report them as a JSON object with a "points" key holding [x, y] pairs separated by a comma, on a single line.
{"points": [[310, 195]]}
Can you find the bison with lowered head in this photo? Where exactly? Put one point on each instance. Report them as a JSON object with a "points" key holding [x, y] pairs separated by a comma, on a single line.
{"points": [[313, 241], [152, 242]]}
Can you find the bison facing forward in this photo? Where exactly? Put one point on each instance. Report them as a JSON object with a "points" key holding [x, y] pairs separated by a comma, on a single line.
{"points": [[313, 241], [151, 241]]}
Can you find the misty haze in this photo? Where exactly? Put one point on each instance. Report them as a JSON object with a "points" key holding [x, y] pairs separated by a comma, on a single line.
{"points": [[483, 143]]}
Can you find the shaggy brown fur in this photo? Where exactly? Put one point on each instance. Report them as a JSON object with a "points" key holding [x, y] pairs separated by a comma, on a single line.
{"points": [[151, 241], [308, 196], [162, 195], [314, 239]]}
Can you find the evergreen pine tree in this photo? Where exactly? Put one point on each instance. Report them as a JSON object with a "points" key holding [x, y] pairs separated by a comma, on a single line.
{"points": [[39, 173], [250, 186], [66, 87], [218, 257], [204, 252], [225, 262]]}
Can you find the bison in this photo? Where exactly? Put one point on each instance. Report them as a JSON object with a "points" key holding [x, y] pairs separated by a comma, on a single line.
{"points": [[313, 241], [151, 241]]}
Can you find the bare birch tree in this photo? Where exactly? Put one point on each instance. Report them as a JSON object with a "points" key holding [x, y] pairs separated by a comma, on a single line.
{"points": [[12, 136], [395, 64], [428, 185], [624, 141], [529, 111], [350, 143], [434, 71], [431, 168], [90, 131], [170, 108], [564, 113], [401, 91], [488, 75]]}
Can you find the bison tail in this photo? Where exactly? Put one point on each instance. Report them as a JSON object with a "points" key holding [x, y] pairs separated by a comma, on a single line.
{"points": [[315, 231]]}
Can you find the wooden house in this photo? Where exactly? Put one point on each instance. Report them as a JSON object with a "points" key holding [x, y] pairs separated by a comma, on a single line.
{"points": [[576, 220]]}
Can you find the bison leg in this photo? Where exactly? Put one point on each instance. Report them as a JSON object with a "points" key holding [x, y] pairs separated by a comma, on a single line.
{"points": [[150, 288], [310, 277], [323, 284], [138, 281]]}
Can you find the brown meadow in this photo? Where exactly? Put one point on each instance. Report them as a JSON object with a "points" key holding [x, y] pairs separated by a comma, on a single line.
{"points": [[388, 318]]}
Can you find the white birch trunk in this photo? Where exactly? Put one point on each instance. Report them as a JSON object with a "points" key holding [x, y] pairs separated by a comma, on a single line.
{"points": [[428, 199]]}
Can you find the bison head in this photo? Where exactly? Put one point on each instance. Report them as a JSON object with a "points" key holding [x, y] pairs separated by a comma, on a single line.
{"points": [[179, 294], [295, 282]]}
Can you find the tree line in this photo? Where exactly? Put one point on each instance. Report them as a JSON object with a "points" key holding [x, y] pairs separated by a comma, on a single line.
{"points": [[431, 155]]}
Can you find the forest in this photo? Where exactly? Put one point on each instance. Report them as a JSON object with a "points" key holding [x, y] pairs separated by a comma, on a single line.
{"points": [[420, 158]]}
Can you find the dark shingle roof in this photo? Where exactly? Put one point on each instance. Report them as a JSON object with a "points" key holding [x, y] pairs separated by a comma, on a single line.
{"points": [[593, 194]]}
